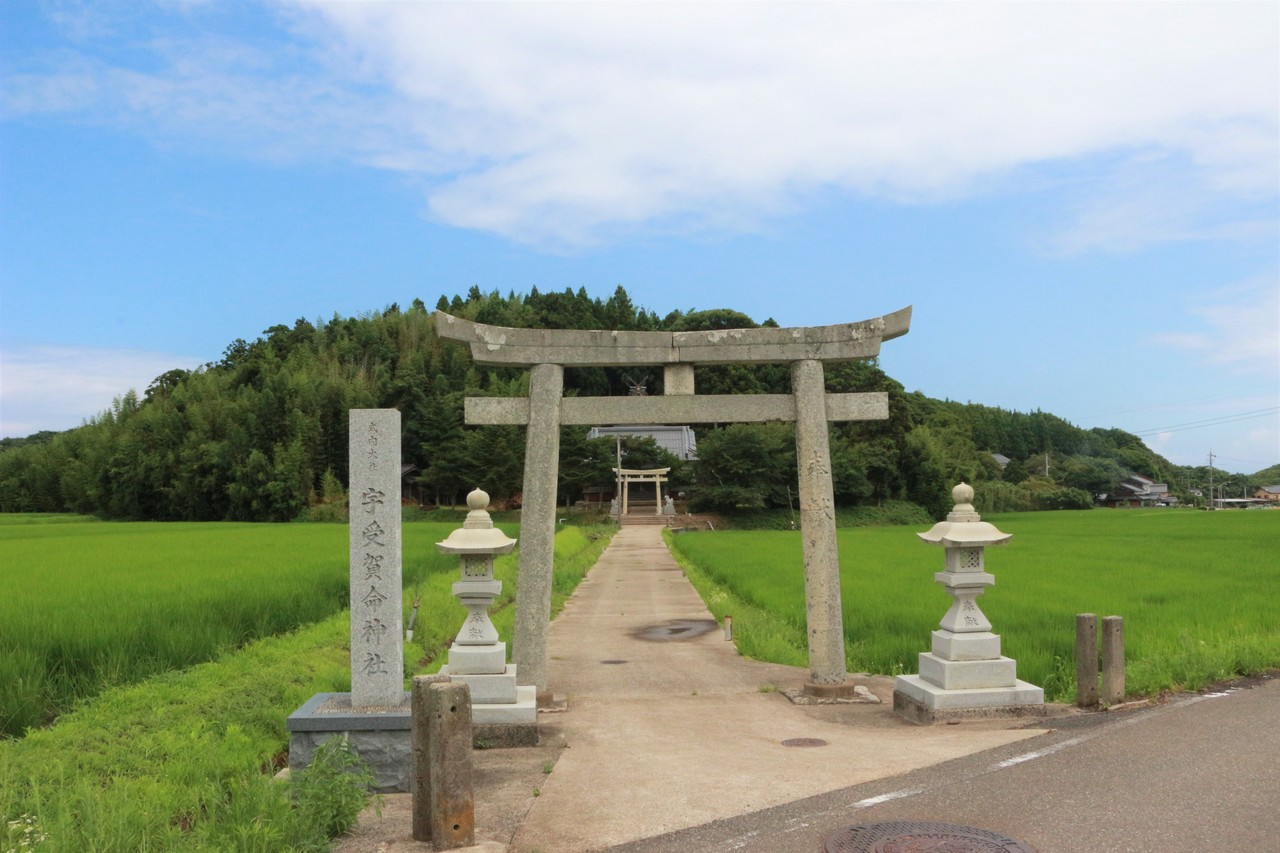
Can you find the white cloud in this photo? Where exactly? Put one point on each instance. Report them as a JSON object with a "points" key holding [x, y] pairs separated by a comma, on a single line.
{"points": [[563, 123], [1160, 198], [1239, 328], [57, 388]]}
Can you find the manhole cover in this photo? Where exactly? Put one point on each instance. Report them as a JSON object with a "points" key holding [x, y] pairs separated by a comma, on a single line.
{"points": [[679, 629], [612, 661], [804, 741], [916, 836]]}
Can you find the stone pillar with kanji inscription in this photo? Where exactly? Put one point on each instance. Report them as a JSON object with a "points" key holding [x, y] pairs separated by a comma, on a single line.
{"points": [[377, 656]]}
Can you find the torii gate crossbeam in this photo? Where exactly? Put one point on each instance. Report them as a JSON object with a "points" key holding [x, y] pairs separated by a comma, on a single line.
{"points": [[548, 351]]}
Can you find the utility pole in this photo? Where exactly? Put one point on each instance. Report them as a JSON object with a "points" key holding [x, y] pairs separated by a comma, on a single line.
{"points": [[1211, 504]]}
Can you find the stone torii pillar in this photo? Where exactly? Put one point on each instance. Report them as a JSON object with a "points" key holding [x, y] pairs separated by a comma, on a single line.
{"points": [[548, 351]]}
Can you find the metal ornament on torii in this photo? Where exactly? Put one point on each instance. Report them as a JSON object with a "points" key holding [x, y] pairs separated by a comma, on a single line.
{"points": [[548, 351]]}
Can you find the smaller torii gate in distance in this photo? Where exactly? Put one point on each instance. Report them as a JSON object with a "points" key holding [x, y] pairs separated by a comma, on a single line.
{"points": [[627, 476], [548, 351]]}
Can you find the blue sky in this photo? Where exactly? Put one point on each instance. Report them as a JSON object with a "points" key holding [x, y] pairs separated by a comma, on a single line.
{"points": [[1081, 201]]}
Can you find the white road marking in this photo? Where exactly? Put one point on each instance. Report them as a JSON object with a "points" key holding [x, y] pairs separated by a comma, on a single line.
{"points": [[884, 798]]}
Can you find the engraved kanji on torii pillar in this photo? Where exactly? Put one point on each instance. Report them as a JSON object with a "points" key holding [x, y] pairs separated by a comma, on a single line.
{"points": [[548, 351]]}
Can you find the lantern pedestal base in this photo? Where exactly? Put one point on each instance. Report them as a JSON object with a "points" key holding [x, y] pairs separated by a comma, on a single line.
{"points": [[920, 701], [968, 674], [495, 698]]}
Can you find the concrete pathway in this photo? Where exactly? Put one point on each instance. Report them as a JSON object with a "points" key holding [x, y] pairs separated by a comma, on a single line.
{"points": [[664, 734]]}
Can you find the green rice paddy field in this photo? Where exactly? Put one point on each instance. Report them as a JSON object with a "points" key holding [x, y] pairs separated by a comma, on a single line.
{"points": [[89, 605], [167, 656], [1199, 593]]}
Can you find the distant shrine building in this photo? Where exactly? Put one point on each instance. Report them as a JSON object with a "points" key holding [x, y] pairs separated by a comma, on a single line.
{"points": [[679, 441], [643, 489]]}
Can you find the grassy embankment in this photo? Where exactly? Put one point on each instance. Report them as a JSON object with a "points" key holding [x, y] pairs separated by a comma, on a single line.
{"points": [[1197, 591], [183, 759]]}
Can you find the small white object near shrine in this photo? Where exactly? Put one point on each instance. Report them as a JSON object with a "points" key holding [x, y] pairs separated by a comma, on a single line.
{"points": [[477, 657], [965, 674]]}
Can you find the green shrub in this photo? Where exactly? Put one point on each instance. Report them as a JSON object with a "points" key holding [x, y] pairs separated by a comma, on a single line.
{"points": [[181, 761], [332, 789]]}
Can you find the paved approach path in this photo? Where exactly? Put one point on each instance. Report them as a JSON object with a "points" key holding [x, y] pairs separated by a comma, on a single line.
{"points": [[1198, 772], [663, 735]]}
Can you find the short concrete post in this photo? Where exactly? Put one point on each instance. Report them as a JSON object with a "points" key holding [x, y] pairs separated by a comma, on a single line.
{"points": [[1113, 660], [443, 801], [1086, 660], [420, 773]]}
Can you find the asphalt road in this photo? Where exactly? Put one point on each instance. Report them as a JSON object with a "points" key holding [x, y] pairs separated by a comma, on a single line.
{"points": [[1200, 772]]}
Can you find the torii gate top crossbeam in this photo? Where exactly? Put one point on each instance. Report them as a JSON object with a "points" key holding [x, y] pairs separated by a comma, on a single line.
{"points": [[581, 348]]}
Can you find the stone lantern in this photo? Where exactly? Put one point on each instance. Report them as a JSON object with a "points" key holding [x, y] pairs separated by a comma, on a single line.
{"points": [[964, 674], [477, 657]]}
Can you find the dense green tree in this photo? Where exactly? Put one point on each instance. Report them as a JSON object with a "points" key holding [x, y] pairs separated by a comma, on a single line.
{"points": [[253, 435], [745, 467], [1015, 471]]}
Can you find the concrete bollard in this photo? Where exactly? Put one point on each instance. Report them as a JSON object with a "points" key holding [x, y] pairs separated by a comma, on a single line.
{"points": [[443, 800], [1113, 660], [728, 628], [1086, 660]]}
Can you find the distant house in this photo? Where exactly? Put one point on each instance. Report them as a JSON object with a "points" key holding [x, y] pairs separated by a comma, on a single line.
{"points": [[1001, 460], [410, 488], [1138, 491], [1267, 493]]}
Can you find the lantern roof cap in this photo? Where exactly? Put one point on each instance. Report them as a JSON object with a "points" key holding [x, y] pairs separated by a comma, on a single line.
{"points": [[477, 535], [964, 527]]}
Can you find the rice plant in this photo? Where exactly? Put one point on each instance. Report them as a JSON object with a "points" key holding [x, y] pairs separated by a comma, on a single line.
{"points": [[1197, 591]]}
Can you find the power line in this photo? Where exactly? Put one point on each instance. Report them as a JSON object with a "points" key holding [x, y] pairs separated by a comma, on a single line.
{"points": [[1171, 403], [1218, 421], [1249, 461]]}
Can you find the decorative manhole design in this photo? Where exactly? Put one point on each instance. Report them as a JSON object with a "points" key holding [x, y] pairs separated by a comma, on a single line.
{"points": [[612, 661], [804, 741], [916, 836], [679, 629]]}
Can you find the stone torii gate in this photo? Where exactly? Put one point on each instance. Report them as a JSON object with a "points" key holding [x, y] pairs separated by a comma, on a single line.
{"points": [[627, 476], [548, 351]]}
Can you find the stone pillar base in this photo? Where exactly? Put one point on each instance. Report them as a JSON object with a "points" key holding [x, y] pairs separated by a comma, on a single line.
{"points": [[379, 736], [841, 690], [383, 737]]}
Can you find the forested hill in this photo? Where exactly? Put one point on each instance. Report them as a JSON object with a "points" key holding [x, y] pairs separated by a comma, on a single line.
{"points": [[262, 433]]}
